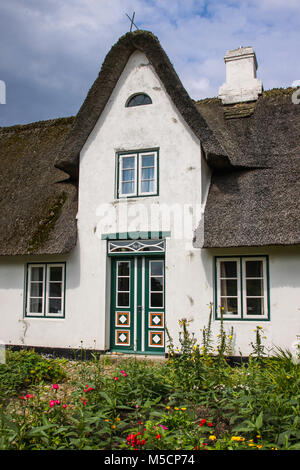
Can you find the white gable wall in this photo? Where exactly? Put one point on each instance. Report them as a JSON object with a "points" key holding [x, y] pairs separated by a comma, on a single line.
{"points": [[158, 125]]}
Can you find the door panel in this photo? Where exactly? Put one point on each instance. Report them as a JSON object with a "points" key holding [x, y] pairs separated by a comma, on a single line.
{"points": [[137, 301], [154, 305], [122, 300]]}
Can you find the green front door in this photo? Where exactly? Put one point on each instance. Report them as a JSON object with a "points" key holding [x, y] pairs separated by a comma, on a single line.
{"points": [[137, 305]]}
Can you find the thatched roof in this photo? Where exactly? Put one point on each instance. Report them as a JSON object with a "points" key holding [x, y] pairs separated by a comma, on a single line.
{"points": [[260, 206], [252, 148], [37, 205], [103, 86]]}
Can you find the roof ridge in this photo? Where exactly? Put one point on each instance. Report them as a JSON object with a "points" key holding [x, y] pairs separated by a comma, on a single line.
{"points": [[37, 124]]}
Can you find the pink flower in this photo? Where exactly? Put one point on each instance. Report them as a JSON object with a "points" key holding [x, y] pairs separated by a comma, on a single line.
{"points": [[51, 403], [123, 373], [57, 402], [22, 398], [64, 406], [162, 426], [55, 387], [115, 378]]}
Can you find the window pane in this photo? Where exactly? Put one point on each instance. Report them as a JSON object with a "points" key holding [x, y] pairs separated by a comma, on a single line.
{"points": [[55, 289], [36, 289], [128, 163], [147, 186], [255, 306], [147, 160], [123, 268], [254, 268], [229, 287], [228, 269], [147, 173], [37, 273], [156, 268], [156, 283], [138, 100], [156, 300], [128, 175], [230, 306], [254, 287], [56, 273], [123, 284], [127, 188], [36, 305], [123, 299], [54, 305]]}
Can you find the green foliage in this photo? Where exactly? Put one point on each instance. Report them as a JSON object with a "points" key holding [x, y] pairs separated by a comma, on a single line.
{"points": [[24, 368], [193, 401]]}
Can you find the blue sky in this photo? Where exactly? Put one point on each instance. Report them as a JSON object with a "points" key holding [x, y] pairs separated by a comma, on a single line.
{"points": [[51, 50]]}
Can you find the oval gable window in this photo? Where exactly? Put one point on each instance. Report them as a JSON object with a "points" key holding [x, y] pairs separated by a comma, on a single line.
{"points": [[138, 100]]}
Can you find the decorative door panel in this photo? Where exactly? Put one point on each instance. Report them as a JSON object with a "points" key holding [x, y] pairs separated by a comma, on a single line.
{"points": [[137, 300]]}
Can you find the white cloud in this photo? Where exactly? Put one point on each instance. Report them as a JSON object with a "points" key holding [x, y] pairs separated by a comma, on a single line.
{"points": [[60, 46]]}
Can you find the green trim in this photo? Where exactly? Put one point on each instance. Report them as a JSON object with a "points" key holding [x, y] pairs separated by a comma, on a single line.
{"points": [[135, 235], [45, 265], [242, 318], [137, 153], [114, 308]]}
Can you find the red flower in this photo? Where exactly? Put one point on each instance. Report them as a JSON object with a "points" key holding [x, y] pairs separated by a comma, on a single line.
{"points": [[51, 403], [158, 436], [116, 378], [210, 424], [202, 422], [57, 402], [55, 387]]}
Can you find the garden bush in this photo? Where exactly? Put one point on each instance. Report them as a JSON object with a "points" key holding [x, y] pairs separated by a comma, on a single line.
{"points": [[193, 401]]}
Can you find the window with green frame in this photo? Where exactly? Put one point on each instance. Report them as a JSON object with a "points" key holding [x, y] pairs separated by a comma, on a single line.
{"points": [[137, 173], [45, 290], [242, 287]]}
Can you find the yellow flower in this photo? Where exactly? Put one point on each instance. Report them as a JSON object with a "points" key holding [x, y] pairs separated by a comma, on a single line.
{"points": [[175, 408], [107, 420], [259, 436], [212, 437], [238, 438], [118, 419], [113, 426], [183, 409], [251, 445], [168, 407], [288, 376], [259, 447]]}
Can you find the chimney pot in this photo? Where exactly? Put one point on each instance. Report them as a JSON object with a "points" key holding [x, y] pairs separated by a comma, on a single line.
{"points": [[241, 82]]}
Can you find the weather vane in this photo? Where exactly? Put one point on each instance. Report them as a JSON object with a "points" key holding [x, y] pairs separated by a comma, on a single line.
{"points": [[131, 21]]}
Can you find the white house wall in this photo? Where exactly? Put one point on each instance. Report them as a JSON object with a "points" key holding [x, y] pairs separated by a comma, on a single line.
{"points": [[184, 180]]}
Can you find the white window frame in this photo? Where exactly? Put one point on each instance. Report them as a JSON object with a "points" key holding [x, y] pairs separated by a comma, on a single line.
{"points": [[120, 163], [45, 291], [242, 293], [137, 173], [219, 278], [29, 273], [141, 155], [265, 290], [48, 282]]}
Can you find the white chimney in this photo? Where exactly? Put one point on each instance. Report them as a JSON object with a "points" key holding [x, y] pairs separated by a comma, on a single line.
{"points": [[241, 82]]}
